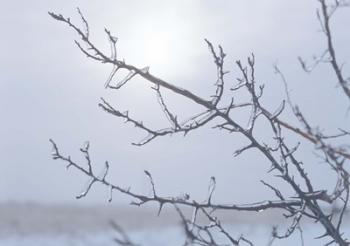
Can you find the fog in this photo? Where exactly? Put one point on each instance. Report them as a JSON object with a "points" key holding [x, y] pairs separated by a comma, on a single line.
{"points": [[49, 89]]}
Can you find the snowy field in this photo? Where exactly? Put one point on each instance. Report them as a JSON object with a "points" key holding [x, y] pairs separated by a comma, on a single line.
{"points": [[161, 236], [36, 225]]}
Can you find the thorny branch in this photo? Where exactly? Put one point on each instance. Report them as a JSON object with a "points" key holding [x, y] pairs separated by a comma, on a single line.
{"points": [[324, 15], [142, 199], [284, 163]]}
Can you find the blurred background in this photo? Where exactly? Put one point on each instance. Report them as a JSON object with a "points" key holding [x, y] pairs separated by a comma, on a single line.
{"points": [[49, 89]]}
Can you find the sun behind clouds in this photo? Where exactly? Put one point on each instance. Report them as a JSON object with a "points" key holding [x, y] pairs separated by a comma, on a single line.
{"points": [[165, 42]]}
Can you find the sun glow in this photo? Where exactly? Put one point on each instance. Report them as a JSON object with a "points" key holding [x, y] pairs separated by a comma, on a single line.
{"points": [[164, 44], [158, 48]]}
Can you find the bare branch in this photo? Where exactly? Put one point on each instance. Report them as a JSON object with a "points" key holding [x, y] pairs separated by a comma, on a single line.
{"points": [[281, 157]]}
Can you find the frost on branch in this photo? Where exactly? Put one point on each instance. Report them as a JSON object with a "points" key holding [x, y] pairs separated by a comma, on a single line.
{"points": [[284, 162]]}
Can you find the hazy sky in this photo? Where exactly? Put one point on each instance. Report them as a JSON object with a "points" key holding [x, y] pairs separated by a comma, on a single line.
{"points": [[50, 90]]}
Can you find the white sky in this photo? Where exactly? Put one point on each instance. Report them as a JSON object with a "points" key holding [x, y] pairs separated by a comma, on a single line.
{"points": [[50, 90]]}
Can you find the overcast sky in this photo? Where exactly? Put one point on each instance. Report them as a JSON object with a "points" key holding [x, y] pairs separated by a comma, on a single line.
{"points": [[50, 90]]}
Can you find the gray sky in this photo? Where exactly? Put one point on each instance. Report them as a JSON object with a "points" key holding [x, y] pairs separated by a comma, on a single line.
{"points": [[50, 90]]}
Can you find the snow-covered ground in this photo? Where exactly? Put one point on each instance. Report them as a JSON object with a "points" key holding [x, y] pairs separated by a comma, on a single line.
{"points": [[37, 225], [171, 236]]}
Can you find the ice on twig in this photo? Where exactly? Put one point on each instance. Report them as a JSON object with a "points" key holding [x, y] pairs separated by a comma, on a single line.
{"points": [[128, 77], [194, 217], [111, 75], [211, 188], [86, 145], [145, 69], [86, 188], [110, 193], [183, 197], [104, 172], [114, 39]]}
